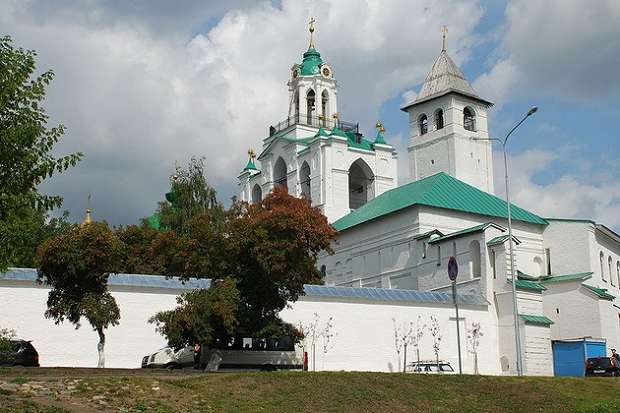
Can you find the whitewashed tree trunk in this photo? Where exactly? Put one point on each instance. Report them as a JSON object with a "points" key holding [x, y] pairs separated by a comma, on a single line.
{"points": [[100, 348]]}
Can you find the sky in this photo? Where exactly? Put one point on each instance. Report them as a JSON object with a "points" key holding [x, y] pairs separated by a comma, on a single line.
{"points": [[144, 84]]}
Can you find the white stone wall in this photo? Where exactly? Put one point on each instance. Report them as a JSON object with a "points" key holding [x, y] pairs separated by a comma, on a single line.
{"points": [[574, 311], [23, 306], [365, 334]]}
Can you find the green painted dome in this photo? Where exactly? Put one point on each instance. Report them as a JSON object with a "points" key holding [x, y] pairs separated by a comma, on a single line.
{"points": [[311, 63]]}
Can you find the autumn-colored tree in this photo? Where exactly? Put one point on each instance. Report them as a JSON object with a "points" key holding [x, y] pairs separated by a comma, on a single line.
{"points": [[274, 245], [26, 157], [76, 265]]}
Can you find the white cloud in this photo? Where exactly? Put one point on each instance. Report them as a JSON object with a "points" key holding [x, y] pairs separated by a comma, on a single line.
{"points": [[135, 99], [579, 194], [557, 47]]}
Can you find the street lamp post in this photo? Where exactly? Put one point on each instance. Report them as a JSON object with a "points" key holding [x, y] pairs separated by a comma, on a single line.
{"points": [[529, 113]]}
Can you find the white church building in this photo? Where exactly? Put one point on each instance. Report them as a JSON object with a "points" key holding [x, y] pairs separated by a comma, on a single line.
{"points": [[401, 237], [389, 269]]}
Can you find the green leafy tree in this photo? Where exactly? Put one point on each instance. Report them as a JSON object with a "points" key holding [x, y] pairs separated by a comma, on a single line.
{"points": [[138, 253], [190, 195], [5, 339], [76, 265], [27, 143], [204, 316]]}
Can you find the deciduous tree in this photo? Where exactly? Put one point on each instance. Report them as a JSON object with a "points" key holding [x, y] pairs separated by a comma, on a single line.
{"points": [[76, 265], [27, 143]]}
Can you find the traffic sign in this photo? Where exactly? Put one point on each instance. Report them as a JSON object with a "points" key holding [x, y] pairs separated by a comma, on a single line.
{"points": [[453, 269]]}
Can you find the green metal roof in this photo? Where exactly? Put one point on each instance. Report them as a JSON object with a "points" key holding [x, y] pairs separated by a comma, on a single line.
{"points": [[250, 166], [153, 221], [536, 319], [588, 221], [311, 63], [466, 231], [501, 239], [528, 285], [441, 191], [380, 139], [548, 279], [601, 292]]}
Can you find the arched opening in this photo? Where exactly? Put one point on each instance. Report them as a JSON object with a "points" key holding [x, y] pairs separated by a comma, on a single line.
{"points": [[279, 174], [323, 271], [423, 124], [609, 265], [310, 105], [257, 194], [439, 119], [474, 259], [324, 106], [469, 119], [539, 264], [602, 262], [304, 181], [360, 184]]}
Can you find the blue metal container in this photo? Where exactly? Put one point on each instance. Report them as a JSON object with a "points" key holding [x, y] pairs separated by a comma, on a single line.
{"points": [[569, 356]]}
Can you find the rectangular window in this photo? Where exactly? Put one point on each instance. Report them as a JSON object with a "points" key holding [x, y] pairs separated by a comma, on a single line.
{"points": [[493, 264], [404, 282], [424, 250], [438, 255], [548, 255]]}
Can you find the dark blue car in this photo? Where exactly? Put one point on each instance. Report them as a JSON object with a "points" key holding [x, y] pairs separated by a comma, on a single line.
{"points": [[19, 353]]}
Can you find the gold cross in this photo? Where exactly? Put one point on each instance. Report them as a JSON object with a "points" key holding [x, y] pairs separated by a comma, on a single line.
{"points": [[444, 31], [311, 24], [251, 154]]}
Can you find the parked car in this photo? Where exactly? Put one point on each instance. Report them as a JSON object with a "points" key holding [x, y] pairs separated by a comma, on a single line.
{"points": [[168, 358], [430, 367], [601, 366], [20, 353]]}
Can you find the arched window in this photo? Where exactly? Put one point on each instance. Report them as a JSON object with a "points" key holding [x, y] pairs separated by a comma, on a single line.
{"points": [[311, 105], [279, 174], [439, 119], [257, 194], [539, 264], [493, 267], [602, 260], [469, 119], [423, 122], [323, 271], [611, 276], [618, 272], [360, 184], [304, 181], [325, 106], [474, 259]]}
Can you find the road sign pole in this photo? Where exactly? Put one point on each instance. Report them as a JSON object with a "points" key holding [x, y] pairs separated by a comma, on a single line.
{"points": [[453, 272], [458, 329]]}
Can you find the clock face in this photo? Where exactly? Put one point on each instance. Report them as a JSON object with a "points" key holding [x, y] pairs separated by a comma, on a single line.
{"points": [[326, 72]]}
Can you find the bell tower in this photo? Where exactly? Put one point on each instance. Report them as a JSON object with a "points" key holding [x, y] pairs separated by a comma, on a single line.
{"points": [[313, 89], [446, 119]]}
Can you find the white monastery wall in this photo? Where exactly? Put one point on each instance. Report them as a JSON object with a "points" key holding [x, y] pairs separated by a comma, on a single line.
{"points": [[605, 275], [23, 306], [537, 354], [610, 323], [365, 334]]}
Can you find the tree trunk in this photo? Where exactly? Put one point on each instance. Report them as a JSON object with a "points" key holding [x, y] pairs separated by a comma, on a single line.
{"points": [[405, 359], [100, 347]]}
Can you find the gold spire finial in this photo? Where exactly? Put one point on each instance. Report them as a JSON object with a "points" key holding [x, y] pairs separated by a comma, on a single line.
{"points": [[311, 28], [379, 125], [87, 218], [251, 153], [444, 32]]}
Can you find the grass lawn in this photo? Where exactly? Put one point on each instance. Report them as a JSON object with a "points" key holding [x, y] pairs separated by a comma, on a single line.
{"points": [[65, 390]]}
